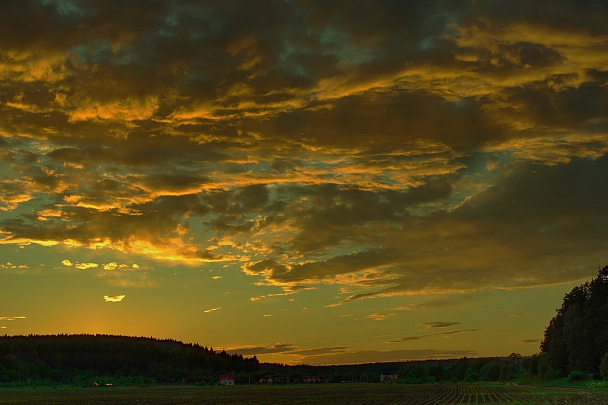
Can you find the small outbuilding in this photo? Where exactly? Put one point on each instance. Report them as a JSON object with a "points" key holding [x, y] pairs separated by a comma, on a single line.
{"points": [[227, 379]]}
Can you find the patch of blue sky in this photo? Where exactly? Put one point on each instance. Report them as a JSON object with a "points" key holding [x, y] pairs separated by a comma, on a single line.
{"points": [[383, 182], [481, 168], [35, 258], [483, 164], [24, 144], [341, 249], [103, 52], [288, 50], [287, 57], [91, 54], [7, 171], [36, 201], [427, 44], [12, 255], [337, 43], [64, 7], [171, 19]]}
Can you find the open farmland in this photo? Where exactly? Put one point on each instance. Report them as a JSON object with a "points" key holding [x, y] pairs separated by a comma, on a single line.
{"points": [[435, 394]]}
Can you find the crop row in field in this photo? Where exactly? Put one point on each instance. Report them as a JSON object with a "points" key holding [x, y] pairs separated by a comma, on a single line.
{"points": [[371, 394]]}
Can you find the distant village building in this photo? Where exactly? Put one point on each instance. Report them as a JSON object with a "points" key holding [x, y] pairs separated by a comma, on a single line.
{"points": [[388, 377], [269, 379], [227, 379], [312, 379]]}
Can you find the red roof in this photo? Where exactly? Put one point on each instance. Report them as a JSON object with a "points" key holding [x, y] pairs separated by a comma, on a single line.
{"points": [[227, 376]]}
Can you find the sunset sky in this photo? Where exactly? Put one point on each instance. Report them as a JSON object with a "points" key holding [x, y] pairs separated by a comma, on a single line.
{"points": [[315, 182]]}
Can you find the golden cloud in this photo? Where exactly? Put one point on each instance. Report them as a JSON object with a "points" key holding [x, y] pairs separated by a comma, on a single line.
{"points": [[113, 298], [123, 110], [31, 66], [85, 266], [11, 318], [379, 316], [11, 266]]}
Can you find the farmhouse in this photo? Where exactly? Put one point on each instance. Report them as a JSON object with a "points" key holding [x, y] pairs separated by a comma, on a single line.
{"points": [[227, 379], [390, 376]]}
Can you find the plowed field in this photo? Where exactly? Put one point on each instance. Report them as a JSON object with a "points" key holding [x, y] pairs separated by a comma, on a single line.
{"points": [[318, 394]]}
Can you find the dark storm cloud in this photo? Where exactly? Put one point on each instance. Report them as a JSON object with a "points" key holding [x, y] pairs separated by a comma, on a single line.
{"points": [[394, 119], [347, 355], [531, 210], [172, 60], [443, 301], [321, 351], [317, 271], [433, 325], [179, 183], [257, 350], [431, 335], [289, 349], [543, 195], [373, 356], [332, 212], [553, 103]]}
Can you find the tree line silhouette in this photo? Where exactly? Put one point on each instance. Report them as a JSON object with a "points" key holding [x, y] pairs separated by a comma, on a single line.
{"points": [[80, 359], [413, 372]]}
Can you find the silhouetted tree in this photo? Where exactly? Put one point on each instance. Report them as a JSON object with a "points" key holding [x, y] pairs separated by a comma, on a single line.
{"points": [[604, 367], [577, 337], [491, 370], [438, 372]]}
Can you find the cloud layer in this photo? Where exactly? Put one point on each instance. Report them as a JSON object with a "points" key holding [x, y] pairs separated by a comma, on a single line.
{"points": [[389, 148]]}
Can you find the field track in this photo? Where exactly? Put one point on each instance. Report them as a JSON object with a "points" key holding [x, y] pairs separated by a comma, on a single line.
{"points": [[319, 394]]}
